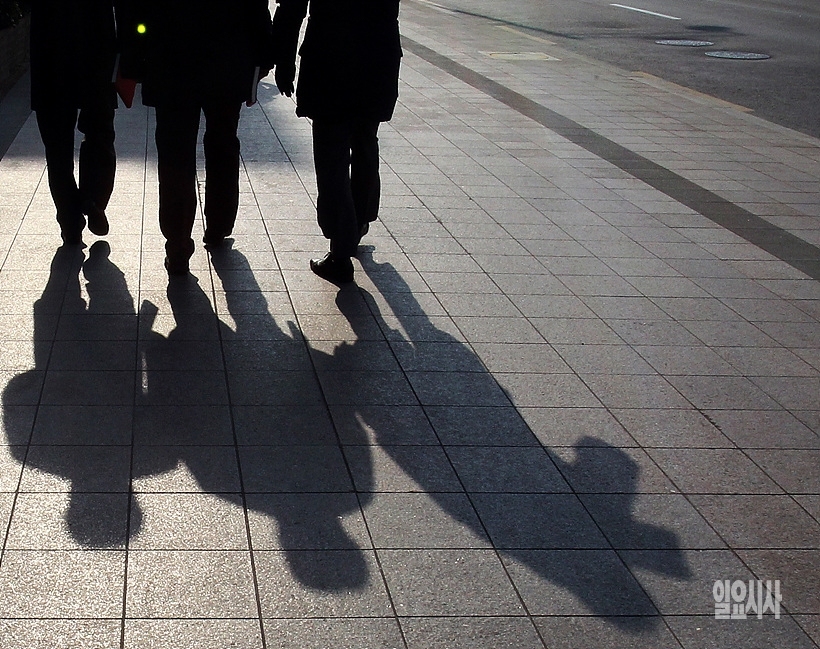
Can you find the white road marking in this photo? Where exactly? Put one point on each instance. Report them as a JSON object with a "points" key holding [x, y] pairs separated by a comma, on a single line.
{"points": [[643, 11]]}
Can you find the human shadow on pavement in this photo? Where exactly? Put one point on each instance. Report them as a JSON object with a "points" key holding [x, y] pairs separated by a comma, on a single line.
{"points": [[81, 388], [292, 471], [525, 497]]}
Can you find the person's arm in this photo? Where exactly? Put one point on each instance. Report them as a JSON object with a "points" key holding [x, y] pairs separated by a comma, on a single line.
{"points": [[287, 22]]}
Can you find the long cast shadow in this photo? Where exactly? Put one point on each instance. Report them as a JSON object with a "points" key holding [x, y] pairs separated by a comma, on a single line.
{"points": [[550, 533], [76, 434], [292, 473]]}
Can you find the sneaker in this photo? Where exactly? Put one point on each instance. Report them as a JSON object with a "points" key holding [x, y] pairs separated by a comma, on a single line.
{"points": [[333, 269]]}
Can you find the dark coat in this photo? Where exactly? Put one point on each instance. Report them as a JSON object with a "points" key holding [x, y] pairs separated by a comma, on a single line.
{"points": [[198, 50], [349, 59], [73, 49]]}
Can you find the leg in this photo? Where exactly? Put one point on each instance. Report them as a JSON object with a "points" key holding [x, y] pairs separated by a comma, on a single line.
{"points": [[177, 127], [98, 161], [221, 169], [334, 204], [364, 174], [56, 126]]}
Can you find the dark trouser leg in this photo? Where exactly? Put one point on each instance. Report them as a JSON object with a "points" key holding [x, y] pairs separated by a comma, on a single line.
{"points": [[177, 128], [364, 172], [335, 210], [98, 159], [56, 126], [221, 167]]}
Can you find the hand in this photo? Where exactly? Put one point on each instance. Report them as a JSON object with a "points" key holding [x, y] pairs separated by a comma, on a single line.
{"points": [[285, 74]]}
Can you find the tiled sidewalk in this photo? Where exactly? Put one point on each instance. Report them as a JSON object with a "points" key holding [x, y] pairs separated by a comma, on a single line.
{"points": [[558, 405]]}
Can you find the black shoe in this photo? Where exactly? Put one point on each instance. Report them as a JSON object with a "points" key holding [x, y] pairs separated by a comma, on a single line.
{"points": [[333, 269], [97, 220], [176, 266]]}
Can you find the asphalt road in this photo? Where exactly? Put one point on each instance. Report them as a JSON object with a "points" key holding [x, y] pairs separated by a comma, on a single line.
{"points": [[784, 88]]}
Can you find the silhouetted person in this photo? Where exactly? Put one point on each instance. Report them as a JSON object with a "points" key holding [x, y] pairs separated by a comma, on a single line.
{"points": [[348, 85], [198, 56], [73, 53]]}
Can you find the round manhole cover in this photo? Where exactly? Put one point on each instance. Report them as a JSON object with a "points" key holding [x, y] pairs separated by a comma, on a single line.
{"points": [[744, 56], [682, 42]]}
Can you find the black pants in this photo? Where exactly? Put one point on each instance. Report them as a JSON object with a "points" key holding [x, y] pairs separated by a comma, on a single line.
{"points": [[97, 157], [176, 137], [346, 157]]}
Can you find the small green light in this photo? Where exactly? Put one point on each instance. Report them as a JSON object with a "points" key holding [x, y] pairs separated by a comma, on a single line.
{"points": [[140, 29]]}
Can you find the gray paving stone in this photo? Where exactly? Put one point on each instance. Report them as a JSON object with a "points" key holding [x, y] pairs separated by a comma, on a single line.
{"points": [[327, 583], [340, 633], [192, 634], [745, 521], [704, 632], [506, 469], [324, 521], [576, 632], [671, 428], [68, 584], [197, 584], [764, 429], [271, 469], [797, 571], [401, 469], [578, 582], [448, 582], [424, 521], [48, 634], [187, 469], [480, 425], [472, 632], [796, 471]]}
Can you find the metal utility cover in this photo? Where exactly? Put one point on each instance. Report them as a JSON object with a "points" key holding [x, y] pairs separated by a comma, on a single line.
{"points": [[682, 42], [744, 56], [520, 56]]}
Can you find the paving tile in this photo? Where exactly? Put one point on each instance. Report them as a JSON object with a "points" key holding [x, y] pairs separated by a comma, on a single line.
{"points": [[599, 468], [634, 391], [746, 521], [68, 584], [45, 634], [796, 471], [603, 359], [76, 468], [668, 428], [723, 393], [68, 521], [456, 389], [506, 469], [651, 521], [704, 632], [576, 632], [473, 632], [764, 429], [271, 469], [547, 390], [401, 469], [448, 582], [320, 583], [681, 582], [576, 331], [537, 521], [282, 425], [191, 521], [480, 425], [713, 471], [192, 634], [570, 426], [386, 425], [325, 521], [191, 469], [340, 633], [797, 571], [430, 520], [196, 584], [577, 582]]}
